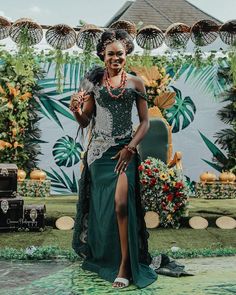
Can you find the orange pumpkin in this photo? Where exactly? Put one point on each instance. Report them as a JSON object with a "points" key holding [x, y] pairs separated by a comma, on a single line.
{"points": [[227, 177], [207, 177], [38, 175], [21, 175]]}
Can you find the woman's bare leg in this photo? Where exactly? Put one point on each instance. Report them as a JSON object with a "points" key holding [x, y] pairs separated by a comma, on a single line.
{"points": [[121, 196]]}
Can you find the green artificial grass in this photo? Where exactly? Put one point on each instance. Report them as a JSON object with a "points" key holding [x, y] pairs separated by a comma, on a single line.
{"points": [[160, 239]]}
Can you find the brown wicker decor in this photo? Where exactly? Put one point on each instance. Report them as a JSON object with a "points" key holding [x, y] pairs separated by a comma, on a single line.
{"points": [[34, 31], [5, 26], [177, 35], [88, 37], [228, 32], [150, 37], [61, 36], [125, 25], [204, 32]]}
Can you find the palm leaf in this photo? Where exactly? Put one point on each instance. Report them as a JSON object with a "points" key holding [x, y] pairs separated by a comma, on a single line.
{"points": [[213, 165], [49, 104], [63, 182], [216, 152]]}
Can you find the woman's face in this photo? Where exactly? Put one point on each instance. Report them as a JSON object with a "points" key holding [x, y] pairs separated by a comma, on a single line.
{"points": [[115, 56]]}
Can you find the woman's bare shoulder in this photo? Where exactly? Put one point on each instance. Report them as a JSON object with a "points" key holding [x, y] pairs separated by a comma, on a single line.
{"points": [[137, 82]]}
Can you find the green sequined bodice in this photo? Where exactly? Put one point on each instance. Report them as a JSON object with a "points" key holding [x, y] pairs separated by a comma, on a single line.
{"points": [[113, 120], [114, 115]]}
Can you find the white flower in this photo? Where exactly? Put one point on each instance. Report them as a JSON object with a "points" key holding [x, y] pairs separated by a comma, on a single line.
{"points": [[30, 250]]}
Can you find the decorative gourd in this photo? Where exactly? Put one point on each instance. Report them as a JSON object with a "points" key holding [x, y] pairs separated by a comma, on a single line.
{"points": [[227, 177], [207, 177], [38, 175], [21, 175]]}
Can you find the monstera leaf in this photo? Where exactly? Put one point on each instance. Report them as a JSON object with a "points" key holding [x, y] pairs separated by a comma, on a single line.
{"points": [[66, 151], [181, 114]]}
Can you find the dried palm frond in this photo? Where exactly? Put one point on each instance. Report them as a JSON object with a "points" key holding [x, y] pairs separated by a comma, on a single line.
{"points": [[165, 100]]}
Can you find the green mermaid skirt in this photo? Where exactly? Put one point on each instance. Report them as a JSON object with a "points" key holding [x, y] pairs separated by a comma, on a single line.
{"points": [[96, 235]]}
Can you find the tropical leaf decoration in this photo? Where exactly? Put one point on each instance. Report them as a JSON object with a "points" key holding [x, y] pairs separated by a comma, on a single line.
{"points": [[48, 103], [66, 151], [181, 114], [205, 78], [216, 153], [62, 183]]}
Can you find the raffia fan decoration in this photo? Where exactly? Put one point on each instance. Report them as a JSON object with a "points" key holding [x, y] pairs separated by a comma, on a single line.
{"points": [[5, 26], [25, 25], [204, 32], [88, 37], [61, 37], [150, 37], [228, 32], [125, 25], [156, 82], [177, 35]]}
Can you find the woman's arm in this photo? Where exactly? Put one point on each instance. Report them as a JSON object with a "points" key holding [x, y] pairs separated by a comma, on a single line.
{"points": [[143, 116], [125, 155], [82, 114]]}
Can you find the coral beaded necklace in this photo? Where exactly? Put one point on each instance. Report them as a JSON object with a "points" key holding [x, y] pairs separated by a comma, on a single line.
{"points": [[109, 86]]}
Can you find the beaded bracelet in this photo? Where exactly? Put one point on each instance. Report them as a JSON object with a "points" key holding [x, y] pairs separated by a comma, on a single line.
{"points": [[131, 149], [77, 101]]}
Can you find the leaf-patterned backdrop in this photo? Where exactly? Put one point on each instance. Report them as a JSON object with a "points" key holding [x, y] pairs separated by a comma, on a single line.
{"points": [[193, 118]]}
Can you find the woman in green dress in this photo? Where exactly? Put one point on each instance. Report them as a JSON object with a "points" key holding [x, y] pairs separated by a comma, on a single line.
{"points": [[110, 231]]}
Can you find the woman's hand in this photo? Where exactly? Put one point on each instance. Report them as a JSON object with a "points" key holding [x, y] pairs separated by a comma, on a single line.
{"points": [[77, 100], [124, 158]]}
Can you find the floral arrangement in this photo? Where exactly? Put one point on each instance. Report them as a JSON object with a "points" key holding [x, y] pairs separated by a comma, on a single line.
{"points": [[18, 121], [164, 191], [156, 82]]}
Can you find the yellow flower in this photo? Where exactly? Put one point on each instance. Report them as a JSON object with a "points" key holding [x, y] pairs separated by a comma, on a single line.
{"points": [[163, 176], [169, 217], [153, 83], [173, 183], [171, 172]]}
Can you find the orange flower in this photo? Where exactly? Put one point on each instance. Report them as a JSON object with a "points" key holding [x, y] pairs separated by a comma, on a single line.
{"points": [[13, 91], [2, 91], [16, 144], [4, 144], [26, 96]]}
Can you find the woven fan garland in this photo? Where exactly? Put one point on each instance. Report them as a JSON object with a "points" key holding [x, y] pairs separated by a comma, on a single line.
{"points": [[33, 29], [228, 32], [5, 26], [61, 36], [128, 26], [177, 35], [204, 32], [88, 37], [150, 37]]}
